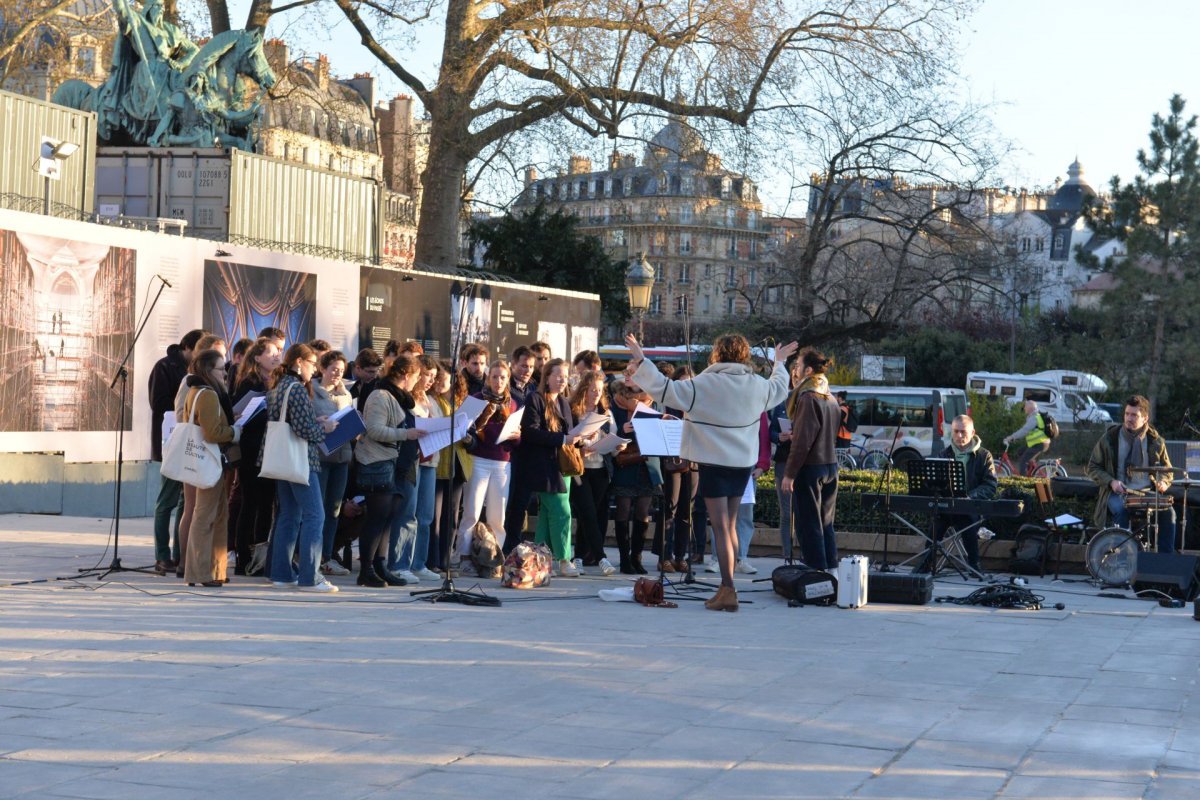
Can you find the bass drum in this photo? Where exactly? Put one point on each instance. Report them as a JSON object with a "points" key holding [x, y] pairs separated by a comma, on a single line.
{"points": [[1112, 557]]}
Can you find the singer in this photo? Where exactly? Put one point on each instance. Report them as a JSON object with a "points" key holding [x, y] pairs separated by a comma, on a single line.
{"points": [[722, 406]]}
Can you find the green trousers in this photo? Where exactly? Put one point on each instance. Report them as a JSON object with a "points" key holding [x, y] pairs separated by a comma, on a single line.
{"points": [[554, 522]]}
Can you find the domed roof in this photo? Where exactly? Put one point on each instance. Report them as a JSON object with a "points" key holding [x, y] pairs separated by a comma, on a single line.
{"points": [[677, 138], [1074, 193]]}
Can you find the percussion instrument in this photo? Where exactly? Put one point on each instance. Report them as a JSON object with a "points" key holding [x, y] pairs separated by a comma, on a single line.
{"points": [[1112, 556], [1148, 502]]}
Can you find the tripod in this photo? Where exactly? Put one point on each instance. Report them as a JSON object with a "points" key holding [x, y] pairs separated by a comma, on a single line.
{"points": [[447, 593], [122, 375]]}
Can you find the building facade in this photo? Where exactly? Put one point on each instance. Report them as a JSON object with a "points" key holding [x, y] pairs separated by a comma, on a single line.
{"points": [[700, 225]]}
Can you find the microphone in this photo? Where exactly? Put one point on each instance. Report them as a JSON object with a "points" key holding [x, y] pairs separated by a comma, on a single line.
{"points": [[165, 281]]}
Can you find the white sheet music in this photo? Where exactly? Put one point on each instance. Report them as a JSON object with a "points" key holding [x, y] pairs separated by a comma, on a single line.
{"points": [[658, 437], [250, 409], [472, 407], [607, 444], [512, 426], [589, 424], [748, 495], [643, 409], [437, 432], [785, 425]]}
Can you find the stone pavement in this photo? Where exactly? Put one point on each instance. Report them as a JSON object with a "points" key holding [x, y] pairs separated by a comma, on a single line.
{"points": [[140, 688]]}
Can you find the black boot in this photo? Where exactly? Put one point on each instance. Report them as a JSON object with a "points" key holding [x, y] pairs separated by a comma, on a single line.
{"points": [[621, 529], [390, 578], [637, 543], [367, 576]]}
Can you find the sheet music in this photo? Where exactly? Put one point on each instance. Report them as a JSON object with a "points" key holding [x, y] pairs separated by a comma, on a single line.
{"points": [[247, 398], [512, 426], [437, 432], [251, 408], [658, 437], [785, 425], [748, 495], [608, 444], [472, 407], [644, 410], [589, 425]]}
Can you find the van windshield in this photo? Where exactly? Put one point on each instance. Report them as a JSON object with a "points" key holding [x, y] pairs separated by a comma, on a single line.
{"points": [[1078, 402]]}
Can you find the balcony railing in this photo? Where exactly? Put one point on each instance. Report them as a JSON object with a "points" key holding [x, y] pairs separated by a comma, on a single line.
{"points": [[672, 218]]}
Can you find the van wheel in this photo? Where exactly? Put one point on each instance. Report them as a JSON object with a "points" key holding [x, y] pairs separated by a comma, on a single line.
{"points": [[903, 456]]}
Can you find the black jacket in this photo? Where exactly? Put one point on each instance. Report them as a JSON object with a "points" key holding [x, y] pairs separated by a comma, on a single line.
{"points": [[535, 459], [981, 473], [168, 373]]}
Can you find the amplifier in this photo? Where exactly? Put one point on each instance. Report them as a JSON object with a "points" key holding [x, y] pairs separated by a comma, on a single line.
{"points": [[899, 587], [1170, 573]]}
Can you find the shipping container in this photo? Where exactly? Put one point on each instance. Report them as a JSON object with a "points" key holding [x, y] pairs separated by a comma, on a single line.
{"points": [[23, 123], [328, 212], [175, 183], [243, 198]]}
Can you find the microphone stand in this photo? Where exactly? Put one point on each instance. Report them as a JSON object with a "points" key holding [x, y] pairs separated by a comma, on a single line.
{"points": [[885, 477], [122, 375], [446, 593]]}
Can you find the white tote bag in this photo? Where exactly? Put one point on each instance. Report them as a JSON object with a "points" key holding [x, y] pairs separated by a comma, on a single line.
{"points": [[188, 458], [285, 455]]}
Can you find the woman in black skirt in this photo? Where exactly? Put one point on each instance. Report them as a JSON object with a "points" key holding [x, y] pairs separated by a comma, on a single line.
{"points": [[721, 406]]}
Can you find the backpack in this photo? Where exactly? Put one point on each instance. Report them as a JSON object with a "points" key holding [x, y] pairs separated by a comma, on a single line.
{"points": [[1029, 551], [485, 552], [1050, 425], [802, 585]]}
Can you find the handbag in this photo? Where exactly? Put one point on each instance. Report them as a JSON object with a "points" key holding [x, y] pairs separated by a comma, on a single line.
{"points": [[649, 592], [675, 464], [631, 456], [285, 455], [570, 460], [188, 458]]}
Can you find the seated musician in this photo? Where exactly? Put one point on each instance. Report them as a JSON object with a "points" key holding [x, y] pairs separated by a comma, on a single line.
{"points": [[1117, 463], [980, 467]]}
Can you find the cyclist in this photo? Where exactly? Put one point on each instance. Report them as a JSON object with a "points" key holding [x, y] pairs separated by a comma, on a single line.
{"points": [[849, 422], [1033, 434]]}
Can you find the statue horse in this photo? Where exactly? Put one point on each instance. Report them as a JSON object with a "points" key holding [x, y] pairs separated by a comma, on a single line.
{"points": [[207, 104]]}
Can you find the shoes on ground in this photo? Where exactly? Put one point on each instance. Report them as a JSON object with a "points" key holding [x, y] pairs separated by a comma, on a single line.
{"points": [[712, 566], [745, 567], [606, 567], [284, 584], [322, 586], [567, 570], [427, 574], [332, 567], [409, 576], [579, 566]]}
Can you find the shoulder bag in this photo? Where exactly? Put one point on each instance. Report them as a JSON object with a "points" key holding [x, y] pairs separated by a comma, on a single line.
{"points": [[285, 455], [188, 458], [570, 460]]}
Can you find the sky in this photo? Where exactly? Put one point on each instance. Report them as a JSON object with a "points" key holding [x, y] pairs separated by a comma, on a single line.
{"points": [[1066, 78]]}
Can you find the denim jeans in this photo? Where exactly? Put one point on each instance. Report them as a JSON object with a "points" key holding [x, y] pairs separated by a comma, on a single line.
{"points": [[301, 518], [403, 537], [785, 512], [333, 490], [170, 496], [814, 501], [426, 497], [745, 529], [1166, 522]]}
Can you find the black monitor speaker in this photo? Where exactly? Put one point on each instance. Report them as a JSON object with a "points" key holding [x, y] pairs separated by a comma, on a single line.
{"points": [[1170, 573]]}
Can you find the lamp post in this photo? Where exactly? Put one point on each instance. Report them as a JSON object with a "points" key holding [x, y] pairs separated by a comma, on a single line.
{"points": [[51, 154], [639, 282]]}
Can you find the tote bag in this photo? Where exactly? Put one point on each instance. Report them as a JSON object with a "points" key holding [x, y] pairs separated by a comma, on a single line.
{"points": [[188, 458], [285, 455]]}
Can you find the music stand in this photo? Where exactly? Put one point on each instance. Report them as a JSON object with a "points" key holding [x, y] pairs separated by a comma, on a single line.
{"points": [[942, 479]]}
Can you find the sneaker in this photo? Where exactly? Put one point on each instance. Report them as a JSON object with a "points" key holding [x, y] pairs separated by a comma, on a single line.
{"points": [[745, 567], [323, 586], [284, 584], [332, 567], [426, 574], [567, 570], [712, 566], [409, 576], [578, 563], [606, 567]]}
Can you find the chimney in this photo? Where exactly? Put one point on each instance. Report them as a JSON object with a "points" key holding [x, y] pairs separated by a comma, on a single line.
{"points": [[579, 165], [322, 71], [531, 175]]}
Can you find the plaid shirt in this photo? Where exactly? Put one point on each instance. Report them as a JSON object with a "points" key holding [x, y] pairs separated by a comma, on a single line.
{"points": [[301, 417]]}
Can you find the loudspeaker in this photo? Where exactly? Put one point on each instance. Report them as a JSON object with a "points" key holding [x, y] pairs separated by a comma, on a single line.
{"points": [[1169, 573]]}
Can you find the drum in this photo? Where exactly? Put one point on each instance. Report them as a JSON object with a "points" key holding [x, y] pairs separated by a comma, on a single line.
{"points": [[1112, 556], [1148, 502]]}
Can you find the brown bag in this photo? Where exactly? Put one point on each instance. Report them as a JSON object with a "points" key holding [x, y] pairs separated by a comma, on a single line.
{"points": [[631, 456], [674, 464], [649, 592], [570, 460]]}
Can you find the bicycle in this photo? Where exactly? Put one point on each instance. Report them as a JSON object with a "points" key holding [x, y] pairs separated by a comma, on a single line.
{"points": [[1042, 468], [858, 457]]}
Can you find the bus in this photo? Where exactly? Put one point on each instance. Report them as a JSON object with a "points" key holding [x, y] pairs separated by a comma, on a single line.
{"points": [[916, 418]]}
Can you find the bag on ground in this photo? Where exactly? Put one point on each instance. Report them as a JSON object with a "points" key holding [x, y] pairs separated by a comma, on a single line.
{"points": [[486, 552], [1029, 551], [527, 566]]}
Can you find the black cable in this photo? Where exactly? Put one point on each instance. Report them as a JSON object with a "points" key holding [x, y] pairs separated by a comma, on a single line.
{"points": [[999, 596]]}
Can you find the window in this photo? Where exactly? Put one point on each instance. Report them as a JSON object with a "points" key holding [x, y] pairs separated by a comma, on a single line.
{"points": [[617, 236], [627, 186], [608, 186], [751, 277], [1025, 244], [1008, 391], [729, 304], [85, 60], [1038, 395], [706, 304], [685, 214], [1059, 270], [685, 242], [685, 273], [1040, 244], [888, 410], [656, 304], [681, 304], [731, 276]]}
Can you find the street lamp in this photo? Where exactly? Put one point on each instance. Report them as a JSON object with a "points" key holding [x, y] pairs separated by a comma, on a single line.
{"points": [[639, 282], [51, 153]]}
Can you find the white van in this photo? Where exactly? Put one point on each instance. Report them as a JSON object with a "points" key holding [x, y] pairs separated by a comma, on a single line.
{"points": [[1064, 394], [922, 415]]}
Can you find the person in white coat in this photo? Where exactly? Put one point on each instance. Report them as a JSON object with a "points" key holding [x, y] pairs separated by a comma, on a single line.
{"points": [[723, 405]]}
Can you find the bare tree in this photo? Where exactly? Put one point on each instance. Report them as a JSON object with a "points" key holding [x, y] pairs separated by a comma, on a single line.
{"points": [[32, 32]]}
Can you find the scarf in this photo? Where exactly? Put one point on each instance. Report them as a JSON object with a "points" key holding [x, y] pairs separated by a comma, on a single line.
{"points": [[501, 401], [222, 395], [404, 398], [818, 384], [1135, 443]]}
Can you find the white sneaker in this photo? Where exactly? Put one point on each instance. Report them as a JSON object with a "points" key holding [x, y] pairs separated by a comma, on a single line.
{"points": [[567, 570], [711, 566], [322, 586], [578, 563], [284, 584], [408, 575], [332, 567], [606, 567], [426, 574], [745, 567]]}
